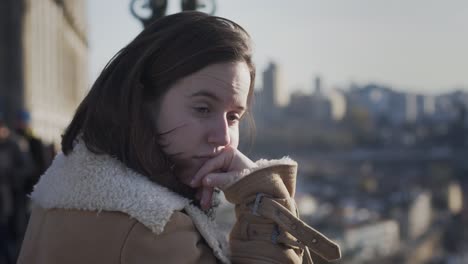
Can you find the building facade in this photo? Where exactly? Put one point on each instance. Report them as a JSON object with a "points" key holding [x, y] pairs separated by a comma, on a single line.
{"points": [[55, 63], [43, 70]]}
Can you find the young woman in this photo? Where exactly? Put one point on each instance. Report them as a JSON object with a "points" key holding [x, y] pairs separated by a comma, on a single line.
{"points": [[156, 134]]}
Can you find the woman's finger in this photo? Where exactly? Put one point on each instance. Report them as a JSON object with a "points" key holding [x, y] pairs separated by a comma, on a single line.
{"points": [[220, 162], [222, 180], [206, 197]]}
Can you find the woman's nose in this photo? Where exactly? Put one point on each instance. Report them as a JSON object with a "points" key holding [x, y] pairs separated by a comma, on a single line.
{"points": [[219, 133]]}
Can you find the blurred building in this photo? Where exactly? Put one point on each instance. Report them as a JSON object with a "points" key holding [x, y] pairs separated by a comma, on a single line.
{"points": [[393, 107], [338, 104], [372, 241], [419, 107], [270, 100], [419, 215], [414, 213], [447, 106], [48, 48], [319, 105], [321, 108], [425, 105], [273, 91], [454, 198], [299, 106]]}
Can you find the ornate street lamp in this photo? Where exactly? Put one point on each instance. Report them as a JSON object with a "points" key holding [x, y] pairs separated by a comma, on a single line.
{"points": [[148, 10]]}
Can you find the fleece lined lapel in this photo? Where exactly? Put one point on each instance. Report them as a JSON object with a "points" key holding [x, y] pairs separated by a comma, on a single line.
{"points": [[86, 181]]}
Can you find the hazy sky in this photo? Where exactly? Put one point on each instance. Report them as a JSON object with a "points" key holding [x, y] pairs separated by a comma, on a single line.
{"points": [[416, 45]]}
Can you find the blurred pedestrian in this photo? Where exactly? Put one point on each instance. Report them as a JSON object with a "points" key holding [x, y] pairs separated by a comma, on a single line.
{"points": [[11, 163], [40, 153]]}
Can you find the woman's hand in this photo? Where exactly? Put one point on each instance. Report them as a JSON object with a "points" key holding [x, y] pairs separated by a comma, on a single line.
{"points": [[221, 171]]}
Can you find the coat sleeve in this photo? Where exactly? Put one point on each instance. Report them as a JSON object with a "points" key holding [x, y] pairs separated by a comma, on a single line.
{"points": [[268, 228], [178, 243]]}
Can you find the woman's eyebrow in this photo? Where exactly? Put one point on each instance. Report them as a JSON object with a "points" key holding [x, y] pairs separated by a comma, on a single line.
{"points": [[212, 96], [208, 94]]}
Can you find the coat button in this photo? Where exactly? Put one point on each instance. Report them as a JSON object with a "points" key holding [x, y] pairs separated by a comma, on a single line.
{"points": [[314, 240]]}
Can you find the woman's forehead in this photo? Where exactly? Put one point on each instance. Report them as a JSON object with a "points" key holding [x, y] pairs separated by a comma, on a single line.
{"points": [[219, 78]]}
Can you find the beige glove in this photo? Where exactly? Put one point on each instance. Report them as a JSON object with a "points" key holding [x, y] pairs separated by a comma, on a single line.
{"points": [[268, 229]]}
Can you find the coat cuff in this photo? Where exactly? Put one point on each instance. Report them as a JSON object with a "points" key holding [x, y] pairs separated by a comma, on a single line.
{"points": [[276, 178]]}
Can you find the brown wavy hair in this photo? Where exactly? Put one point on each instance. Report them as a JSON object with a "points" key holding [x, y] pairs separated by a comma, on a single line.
{"points": [[114, 117]]}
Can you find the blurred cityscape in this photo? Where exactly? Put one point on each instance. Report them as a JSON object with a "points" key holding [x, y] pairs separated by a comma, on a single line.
{"points": [[381, 171]]}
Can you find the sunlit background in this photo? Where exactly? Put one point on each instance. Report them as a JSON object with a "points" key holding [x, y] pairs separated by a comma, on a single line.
{"points": [[369, 96]]}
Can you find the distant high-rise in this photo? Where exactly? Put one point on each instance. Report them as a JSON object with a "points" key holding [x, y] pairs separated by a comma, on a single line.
{"points": [[321, 108], [318, 86], [274, 93]]}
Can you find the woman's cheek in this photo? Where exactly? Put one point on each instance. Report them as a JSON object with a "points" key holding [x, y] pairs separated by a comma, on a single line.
{"points": [[234, 135]]}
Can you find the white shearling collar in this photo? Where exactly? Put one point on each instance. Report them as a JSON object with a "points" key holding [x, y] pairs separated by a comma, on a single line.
{"points": [[87, 181]]}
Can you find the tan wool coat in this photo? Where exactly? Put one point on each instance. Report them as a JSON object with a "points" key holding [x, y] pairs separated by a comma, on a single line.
{"points": [[90, 208]]}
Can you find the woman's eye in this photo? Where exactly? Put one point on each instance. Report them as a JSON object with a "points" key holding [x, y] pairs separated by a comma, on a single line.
{"points": [[202, 110], [233, 118]]}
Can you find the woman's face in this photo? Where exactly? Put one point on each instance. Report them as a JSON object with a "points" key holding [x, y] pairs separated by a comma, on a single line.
{"points": [[199, 115]]}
